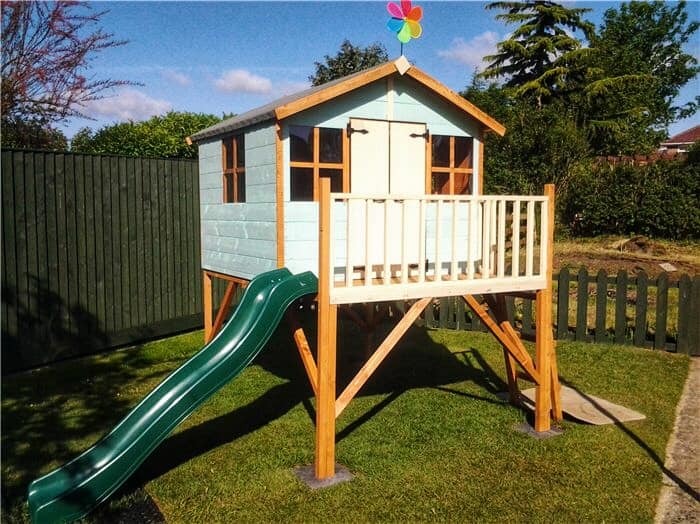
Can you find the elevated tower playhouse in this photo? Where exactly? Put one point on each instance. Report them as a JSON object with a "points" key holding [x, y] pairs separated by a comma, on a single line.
{"points": [[374, 182]]}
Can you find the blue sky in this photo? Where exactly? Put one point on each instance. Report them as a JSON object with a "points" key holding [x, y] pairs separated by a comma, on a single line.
{"points": [[217, 57]]}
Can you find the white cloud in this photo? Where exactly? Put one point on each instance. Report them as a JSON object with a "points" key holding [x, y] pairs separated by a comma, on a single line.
{"points": [[243, 81], [127, 104], [471, 53], [176, 77]]}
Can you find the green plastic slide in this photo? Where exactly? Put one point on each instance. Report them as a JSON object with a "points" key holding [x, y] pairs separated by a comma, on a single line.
{"points": [[71, 491]]}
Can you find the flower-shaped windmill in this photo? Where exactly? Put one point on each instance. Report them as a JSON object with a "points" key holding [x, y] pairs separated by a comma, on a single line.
{"points": [[404, 20]]}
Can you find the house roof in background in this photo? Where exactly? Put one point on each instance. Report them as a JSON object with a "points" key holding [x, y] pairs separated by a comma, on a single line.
{"points": [[689, 136], [294, 103]]}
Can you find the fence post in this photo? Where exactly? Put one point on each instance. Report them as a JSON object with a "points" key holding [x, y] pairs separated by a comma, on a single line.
{"points": [[661, 311], [694, 349], [640, 313], [601, 297], [527, 317], [582, 305], [684, 310], [621, 307], [563, 304]]}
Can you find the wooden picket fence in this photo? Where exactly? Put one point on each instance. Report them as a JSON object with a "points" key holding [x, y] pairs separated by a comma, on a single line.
{"points": [[636, 310]]}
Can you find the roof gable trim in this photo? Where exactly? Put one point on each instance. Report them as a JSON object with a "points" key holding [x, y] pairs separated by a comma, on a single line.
{"points": [[401, 66]]}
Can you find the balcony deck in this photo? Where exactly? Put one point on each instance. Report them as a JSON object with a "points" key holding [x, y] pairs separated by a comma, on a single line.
{"points": [[479, 244]]}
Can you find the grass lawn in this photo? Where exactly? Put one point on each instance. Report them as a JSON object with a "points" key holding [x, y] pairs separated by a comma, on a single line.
{"points": [[428, 439]]}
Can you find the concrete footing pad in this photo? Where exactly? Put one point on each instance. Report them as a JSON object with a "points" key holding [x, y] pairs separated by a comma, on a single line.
{"points": [[540, 435], [307, 474]]}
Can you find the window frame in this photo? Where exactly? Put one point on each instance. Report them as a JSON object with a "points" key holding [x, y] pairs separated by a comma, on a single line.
{"points": [[235, 170], [316, 165], [450, 170]]}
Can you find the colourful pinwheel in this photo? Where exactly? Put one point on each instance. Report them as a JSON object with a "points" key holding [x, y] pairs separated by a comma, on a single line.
{"points": [[404, 20]]}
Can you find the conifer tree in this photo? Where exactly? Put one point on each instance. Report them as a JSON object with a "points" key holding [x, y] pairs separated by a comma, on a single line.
{"points": [[541, 58]]}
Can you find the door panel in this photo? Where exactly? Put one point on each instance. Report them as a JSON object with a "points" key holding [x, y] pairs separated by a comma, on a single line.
{"points": [[369, 157], [407, 158], [386, 159]]}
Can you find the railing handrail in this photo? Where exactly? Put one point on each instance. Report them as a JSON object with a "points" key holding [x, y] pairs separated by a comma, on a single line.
{"points": [[383, 262], [450, 198]]}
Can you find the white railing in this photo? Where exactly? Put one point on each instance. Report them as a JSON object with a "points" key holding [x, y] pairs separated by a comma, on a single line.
{"points": [[401, 247]]}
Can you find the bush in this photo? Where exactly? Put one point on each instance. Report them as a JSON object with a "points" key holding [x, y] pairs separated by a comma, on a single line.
{"points": [[659, 200]]}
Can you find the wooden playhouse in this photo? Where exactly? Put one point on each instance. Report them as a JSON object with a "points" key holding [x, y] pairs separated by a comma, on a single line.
{"points": [[374, 182]]}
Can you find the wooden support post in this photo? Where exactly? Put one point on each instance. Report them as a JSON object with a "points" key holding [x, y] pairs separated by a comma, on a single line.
{"points": [[512, 344], [208, 311], [327, 324], [547, 390], [370, 322], [543, 359]]}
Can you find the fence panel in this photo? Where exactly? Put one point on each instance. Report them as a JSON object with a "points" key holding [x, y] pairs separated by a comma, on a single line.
{"points": [[637, 308], [98, 251]]}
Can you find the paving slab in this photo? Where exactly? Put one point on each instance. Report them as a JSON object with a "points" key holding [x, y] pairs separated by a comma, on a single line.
{"points": [[679, 500]]}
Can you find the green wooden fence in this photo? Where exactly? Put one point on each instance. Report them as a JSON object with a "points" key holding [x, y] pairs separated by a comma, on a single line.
{"points": [[649, 313], [98, 251]]}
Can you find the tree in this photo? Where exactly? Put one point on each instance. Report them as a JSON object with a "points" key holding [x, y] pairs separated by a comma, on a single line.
{"points": [[160, 136], [350, 59], [541, 58], [647, 39], [45, 54], [33, 135]]}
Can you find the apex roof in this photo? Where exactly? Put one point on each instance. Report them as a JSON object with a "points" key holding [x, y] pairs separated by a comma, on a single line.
{"points": [[296, 102], [689, 136]]}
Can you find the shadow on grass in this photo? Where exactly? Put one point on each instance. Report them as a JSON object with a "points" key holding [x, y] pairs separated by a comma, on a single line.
{"points": [[36, 430], [416, 362], [659, 461], [34, 438]]}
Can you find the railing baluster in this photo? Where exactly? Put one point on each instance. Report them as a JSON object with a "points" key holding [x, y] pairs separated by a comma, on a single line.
{"points": [[348, 245], [387, 267], [485, 238], [331, 241], [404, 236], [453, 266], [515, 240], [502, 239], [368, 260], [438, 232], [421, 242], [471, 237], [493, 229], [530, 240], [544, 235]]}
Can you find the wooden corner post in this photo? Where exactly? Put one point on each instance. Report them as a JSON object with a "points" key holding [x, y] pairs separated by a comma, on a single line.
{"points": [[547, 391], [207, 303], [327, 324]]}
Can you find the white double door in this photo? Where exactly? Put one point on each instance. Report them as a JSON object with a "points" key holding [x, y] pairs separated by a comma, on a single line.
{"points": [[386, 158]]}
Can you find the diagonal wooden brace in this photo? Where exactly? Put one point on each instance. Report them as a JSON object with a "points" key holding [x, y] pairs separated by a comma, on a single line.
{"points": [[302, 344], [379, 355], [509, 340]]}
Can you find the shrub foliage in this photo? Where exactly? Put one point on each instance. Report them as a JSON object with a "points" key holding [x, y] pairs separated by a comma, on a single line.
{"points": [[659, 200]]}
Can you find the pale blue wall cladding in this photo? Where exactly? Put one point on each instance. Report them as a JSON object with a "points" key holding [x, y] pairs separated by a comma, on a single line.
{"points": [[240, 239], [411, 103], [301, 235], [415, 103]]}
